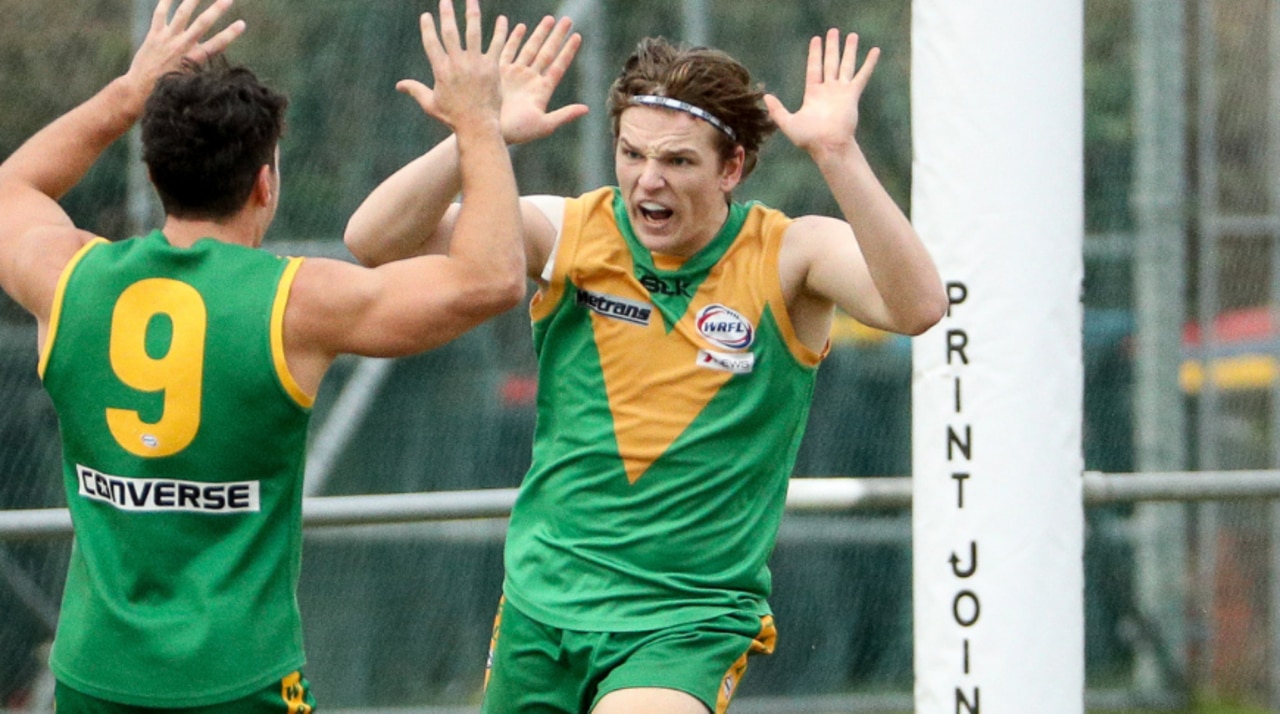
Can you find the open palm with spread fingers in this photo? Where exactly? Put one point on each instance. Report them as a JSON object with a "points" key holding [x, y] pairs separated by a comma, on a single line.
{"points": [[530, 74], [466, 86], [171, 40], [828, 115]]}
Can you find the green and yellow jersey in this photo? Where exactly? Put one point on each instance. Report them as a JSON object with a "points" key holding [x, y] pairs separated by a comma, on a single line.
{"points": [[183, 438], [672, 399]]}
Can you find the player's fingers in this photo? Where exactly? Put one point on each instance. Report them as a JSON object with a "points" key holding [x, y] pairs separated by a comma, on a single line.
{"points": [[777, 112], [813, 69], [160, 17], [547, 55], [183, 14], [529, 53], [868, 66], [206, 19], [449, 38], [566, 114], [850, 58], [511, 47], [474, 28], [564, 58], [430, 42], [420, 92], [498, 43], [219, 42], [831, 57]]}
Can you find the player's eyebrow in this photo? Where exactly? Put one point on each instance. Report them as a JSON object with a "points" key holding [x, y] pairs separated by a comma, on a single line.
{"points": [[664, 153]]}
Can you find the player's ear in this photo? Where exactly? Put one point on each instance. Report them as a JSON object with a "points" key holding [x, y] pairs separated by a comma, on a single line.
{"points": [[264, 185], [731, 169]]}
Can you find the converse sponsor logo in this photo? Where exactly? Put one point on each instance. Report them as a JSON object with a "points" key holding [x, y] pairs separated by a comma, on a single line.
{"points": [[725, 327], [617, 308], [736, 362], [162, 494]]}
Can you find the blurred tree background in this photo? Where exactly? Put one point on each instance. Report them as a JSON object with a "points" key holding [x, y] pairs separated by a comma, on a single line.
{"points": [[348, 128], [400, 617]]}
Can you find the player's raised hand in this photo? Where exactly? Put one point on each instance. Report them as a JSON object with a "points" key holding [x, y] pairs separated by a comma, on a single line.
{"points": [[828, 115], [466, 84], [530, 74], [170, 40]]}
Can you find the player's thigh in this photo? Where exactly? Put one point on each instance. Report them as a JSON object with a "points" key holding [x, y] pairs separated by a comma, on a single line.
{"points": [[694, 667], [649, 700], [530, 668], [290, 695]]}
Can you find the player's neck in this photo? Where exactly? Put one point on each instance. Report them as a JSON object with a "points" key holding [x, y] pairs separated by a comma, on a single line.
{"points": [[238, 229]]}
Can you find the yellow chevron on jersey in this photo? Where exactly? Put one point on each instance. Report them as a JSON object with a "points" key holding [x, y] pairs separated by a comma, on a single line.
{"points": [[672, 400], [653, 400]]}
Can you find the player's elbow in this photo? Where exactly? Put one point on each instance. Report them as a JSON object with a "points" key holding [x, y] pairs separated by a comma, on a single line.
{"points": [[361, 245], [485, 291], [924, 314], [499, 299], [917, 328], [504, 291]]}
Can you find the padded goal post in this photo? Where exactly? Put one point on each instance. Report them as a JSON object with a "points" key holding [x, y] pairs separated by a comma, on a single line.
{"points": [[997, 120]]}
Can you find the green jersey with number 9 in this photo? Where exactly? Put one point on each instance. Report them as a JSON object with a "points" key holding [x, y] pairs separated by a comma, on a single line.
{"points": [[183, 439]]}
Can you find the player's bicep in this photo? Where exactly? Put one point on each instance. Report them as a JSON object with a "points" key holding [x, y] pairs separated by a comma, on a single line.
{"points": [[32, 263], [25, 208], [399, 308], [541, 216], [835, 270], [37, 241]]}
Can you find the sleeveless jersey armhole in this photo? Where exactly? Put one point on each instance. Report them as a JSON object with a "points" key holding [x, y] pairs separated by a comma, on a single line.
{"points": [[775, 227], [551, 208], [55, 312], [568, 225], [287, 381]]}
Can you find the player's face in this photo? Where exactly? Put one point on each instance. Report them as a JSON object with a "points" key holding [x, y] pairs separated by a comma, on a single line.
{"points": [[672, 179]]}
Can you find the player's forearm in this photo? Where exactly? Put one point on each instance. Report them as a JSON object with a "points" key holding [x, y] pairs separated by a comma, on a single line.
{"points": [[900, 265], [57, 157], [401, 216], [489, 230]]}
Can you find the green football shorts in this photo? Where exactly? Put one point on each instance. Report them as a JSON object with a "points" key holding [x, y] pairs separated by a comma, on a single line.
{"points": [[533, 667], [291, 695]]}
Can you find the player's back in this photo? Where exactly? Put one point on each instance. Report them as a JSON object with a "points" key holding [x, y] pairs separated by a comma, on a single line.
{"points": [[183, 442]]}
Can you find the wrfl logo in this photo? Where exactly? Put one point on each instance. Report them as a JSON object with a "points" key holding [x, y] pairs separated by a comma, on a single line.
{"points": [[725, 327]]}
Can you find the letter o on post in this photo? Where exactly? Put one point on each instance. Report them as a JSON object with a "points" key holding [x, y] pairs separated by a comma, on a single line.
{"points": [[965, 616]]}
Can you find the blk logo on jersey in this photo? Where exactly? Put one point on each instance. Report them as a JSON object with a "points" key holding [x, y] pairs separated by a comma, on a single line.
{"points": [[725, 327], [663, 286]]}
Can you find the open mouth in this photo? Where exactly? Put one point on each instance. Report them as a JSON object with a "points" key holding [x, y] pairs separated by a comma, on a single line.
{"points": [[654, 212]]}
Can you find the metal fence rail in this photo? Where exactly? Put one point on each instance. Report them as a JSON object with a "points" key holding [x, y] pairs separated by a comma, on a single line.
{"points": [[805, 495]]}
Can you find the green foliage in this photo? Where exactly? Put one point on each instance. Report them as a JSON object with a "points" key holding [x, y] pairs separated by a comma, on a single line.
{"points": [[1108, 125], [52, 57], [348, 128]]}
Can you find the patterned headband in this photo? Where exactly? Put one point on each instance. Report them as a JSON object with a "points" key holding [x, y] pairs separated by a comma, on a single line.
{"points": [[654, 100]]}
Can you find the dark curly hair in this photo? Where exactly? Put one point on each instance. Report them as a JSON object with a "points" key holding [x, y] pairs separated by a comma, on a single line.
{"points": [[206, 131], [706, 78]]}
